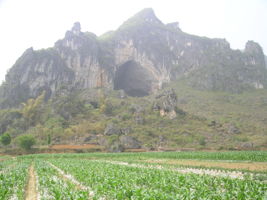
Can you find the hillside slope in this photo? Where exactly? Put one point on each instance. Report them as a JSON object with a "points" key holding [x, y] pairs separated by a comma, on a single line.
{"points": [[115, 121]]}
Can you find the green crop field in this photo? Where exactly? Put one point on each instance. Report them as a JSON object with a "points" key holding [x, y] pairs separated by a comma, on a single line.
{"points": [[133, 176]]}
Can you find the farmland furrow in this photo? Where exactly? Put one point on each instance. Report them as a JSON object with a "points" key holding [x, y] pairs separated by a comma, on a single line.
{"points": [[240, 165], [31, 193], [52, 185], [234, 174], [119, 181], [70, 178]]}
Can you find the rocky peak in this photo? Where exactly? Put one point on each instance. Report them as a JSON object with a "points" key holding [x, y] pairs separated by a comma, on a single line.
{"points": [[29, 50], [75, 40], [255, 56], [253, 48], [145, 16], [76, 29]]}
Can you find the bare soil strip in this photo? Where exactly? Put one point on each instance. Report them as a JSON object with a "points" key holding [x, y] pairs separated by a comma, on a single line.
{"points": [[219, 173], [31, 193], [73, 180], [66, 146], [251, 166]]}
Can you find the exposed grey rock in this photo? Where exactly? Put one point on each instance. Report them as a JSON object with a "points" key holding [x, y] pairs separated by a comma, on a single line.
{"points": [[174, 26], [129, 142], [102, 141], [91, 139], [112, 129], [247, 145], [56, 140], [111, 146], [232, 129], [139, 57], [76, 29], [116, 147], [125, 131], [166, 103]]}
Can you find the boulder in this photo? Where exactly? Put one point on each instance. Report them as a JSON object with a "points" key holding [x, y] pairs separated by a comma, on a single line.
{"points": [[247, 145], [129, 142], [166, 103], [232, 129], [112, 129], [91, 139]]}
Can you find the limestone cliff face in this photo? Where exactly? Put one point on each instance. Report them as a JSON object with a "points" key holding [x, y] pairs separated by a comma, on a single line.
{"points": [[166, 53], [34, 72], [81, 53], [139, 58]]}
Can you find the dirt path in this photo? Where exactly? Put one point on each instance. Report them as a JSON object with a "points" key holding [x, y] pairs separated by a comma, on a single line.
{"points": [[251, 166], [31, 193]]}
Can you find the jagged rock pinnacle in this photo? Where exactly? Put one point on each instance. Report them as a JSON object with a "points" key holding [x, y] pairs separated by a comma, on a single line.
{"points": [[76, 29], [253, 47], [147, 14]]}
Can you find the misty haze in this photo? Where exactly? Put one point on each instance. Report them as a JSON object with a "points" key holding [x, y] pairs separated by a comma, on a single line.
{"points": [[162, 100]]}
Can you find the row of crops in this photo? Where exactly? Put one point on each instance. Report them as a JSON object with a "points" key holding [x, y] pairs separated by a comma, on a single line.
{"points": [[126, 182], [60, 178], [253, 156], [13, 179], [53, 186]]}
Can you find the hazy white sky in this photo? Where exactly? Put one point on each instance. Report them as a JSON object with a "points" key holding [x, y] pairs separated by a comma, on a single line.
{"points": [[39, 23]]}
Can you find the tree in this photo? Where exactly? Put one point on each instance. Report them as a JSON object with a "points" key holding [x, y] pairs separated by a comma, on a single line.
{"points": [[106, 107], [5, 139], [48, 139], [31, 109], [26, 141]]}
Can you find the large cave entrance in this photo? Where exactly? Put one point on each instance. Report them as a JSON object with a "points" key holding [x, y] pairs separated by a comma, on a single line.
{"points": [[134, 79]]}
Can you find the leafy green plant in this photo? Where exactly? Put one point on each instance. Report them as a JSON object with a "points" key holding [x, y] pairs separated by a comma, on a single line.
{"points": [[5, 139], [202, 141], [13, 179], [26, 141], [121, 182], [52, 186], [48, 139]]}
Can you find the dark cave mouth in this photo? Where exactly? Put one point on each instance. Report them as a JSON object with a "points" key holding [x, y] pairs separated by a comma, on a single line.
{"points": [[134, 79]]}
